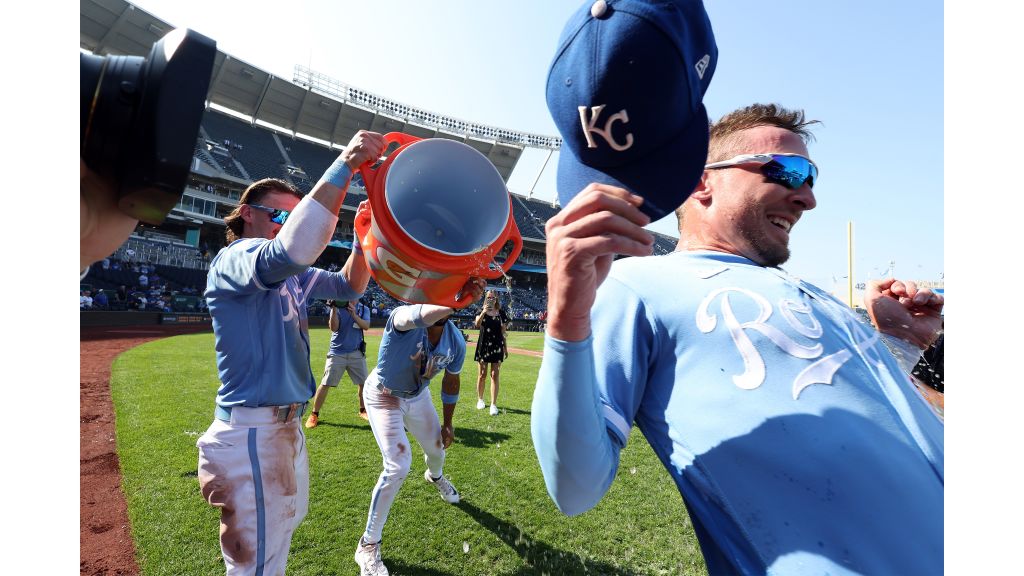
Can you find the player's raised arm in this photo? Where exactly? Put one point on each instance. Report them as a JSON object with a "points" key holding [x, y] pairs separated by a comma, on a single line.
{"points": [[570, 433], [311, 224]]}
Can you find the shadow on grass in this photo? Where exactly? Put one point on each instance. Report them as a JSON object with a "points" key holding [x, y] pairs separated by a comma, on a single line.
{"points": [[513, 410], [478, 438], [365, 426], [540, 557], [401, 569]]}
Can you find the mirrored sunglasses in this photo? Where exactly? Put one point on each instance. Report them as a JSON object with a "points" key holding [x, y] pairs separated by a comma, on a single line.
{"points": [[789, 170], [277, 215]]}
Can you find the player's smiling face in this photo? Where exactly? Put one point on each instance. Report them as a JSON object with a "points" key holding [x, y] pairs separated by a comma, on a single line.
{"points": [[750, 215]]}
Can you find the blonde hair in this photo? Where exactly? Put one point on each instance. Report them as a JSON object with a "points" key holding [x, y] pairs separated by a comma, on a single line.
{"points": [[724, 133]]}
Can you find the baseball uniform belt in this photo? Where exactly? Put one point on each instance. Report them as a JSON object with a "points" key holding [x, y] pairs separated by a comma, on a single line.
{"points": [[400, 393], [262, 415]]}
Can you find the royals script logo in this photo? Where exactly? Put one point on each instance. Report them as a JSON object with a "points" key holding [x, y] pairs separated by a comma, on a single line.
{"points": [[801, 319], [427, 364], [590, 127]]}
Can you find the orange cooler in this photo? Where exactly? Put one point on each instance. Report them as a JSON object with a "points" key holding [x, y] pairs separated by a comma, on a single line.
{"points": [[438, 214]]}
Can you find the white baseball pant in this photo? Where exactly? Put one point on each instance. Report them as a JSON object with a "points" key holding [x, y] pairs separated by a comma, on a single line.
{"points": [[256, 470], [390, 416]]}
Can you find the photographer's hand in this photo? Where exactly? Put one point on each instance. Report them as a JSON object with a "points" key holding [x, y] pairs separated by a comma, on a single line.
{"points": [[102, 225], [363, 324]]}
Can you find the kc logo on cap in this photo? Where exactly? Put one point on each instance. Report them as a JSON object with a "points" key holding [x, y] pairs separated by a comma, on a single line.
{"points": [[589, 128], [625, 90]]}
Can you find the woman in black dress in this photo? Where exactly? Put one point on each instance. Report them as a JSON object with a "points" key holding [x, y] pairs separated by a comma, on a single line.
{"points": [[490, 348]]}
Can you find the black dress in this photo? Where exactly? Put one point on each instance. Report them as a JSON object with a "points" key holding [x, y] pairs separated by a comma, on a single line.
{"points": [[490, 346]]}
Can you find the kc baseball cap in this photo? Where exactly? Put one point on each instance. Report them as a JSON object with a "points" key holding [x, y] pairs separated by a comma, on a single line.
{"points": [[625, 90]]}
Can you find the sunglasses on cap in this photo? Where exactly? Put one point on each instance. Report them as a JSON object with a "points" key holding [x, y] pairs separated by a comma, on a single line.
{"points": [[277, 215], [790, 170]]}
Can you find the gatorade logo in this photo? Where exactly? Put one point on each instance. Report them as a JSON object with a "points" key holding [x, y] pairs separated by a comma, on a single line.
{"points": [[387, 262], [394, 275]]}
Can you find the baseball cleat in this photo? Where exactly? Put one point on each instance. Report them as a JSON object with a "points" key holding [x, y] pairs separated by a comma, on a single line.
{"points": [[444, 486], [368, 558], [312, 421], [480, 404], [494, 410]]}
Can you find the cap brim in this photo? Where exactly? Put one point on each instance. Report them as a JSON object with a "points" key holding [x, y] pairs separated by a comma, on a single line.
{"points": [[664, 179]]}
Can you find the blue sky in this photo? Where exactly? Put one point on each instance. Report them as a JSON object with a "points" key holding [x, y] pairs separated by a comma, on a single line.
{"points": [[871, 71]]}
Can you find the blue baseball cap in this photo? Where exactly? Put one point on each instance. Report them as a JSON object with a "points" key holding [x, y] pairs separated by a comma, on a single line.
{"points": [[625, 90]]}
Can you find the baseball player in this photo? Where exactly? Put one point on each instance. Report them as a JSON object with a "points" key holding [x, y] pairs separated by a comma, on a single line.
{"points": [[419, 342], [796, 439], [347, 353], [252, 459]]}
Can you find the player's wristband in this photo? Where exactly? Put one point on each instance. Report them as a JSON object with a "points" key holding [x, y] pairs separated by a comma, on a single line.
{"points": [[338, 174], [449, 398], [356, 246]]}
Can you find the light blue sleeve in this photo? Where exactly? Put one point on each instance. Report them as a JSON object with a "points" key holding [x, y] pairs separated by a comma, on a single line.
{"points": [[576, 453], [319, 283], [459, 344], [587, 395], [364, 312], [251, 264], [408, 317]]}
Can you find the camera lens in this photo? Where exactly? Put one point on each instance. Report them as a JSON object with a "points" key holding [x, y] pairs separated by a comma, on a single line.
{"points": [[140, 117]]}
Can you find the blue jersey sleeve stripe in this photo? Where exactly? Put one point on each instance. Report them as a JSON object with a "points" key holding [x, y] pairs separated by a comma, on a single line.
{"points": [[570, 433], [617, 424], [311, 280]]}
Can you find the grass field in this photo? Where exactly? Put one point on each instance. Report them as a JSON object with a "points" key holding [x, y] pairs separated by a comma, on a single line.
{"points": [[505, 525]]}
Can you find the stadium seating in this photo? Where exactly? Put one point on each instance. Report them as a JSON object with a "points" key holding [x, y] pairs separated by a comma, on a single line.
{"points": [[249, 152], [529, 223], [255, 149], [310, 159]]}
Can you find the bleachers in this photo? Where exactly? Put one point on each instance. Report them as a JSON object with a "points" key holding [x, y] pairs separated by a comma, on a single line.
{"points": [[255, 149], [181, 287], [664, 244], [311, 158], [530, 225], [301, 162], [216, 159], [160, 250]]}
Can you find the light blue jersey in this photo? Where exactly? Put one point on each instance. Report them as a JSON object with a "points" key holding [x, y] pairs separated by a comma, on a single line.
{"points": [[349, 334], [406, 361], [257, 297], [797, 443]]}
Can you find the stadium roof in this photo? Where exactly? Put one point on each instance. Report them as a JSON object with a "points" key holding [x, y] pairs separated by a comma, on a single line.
{"points": [[315, 105]]}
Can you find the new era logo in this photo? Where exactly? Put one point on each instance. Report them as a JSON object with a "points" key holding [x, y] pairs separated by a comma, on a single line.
{"points": [[702, 65]]}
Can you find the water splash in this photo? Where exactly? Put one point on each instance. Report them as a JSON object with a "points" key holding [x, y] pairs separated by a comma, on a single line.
{"points": [[507, 280]]}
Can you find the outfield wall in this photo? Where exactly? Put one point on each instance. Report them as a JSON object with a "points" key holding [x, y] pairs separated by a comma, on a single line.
{"points": [[135, 318]]}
